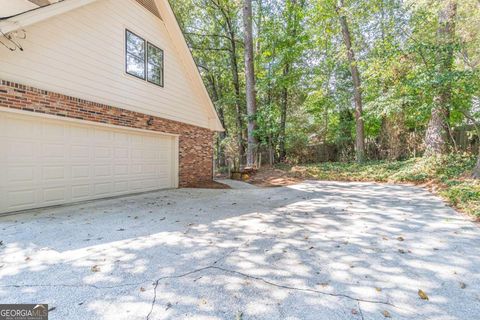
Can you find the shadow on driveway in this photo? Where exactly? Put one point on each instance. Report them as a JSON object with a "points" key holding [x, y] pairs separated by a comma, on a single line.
{"points": [[317, 250]]}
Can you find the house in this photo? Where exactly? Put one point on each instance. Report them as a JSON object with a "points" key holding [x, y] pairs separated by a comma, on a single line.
{"points": [[98, 98]]}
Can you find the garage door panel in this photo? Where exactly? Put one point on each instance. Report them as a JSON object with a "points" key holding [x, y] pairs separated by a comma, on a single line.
{"points": [[20, 199], [103, 135], [104, 188], [53, 132], [55, 194], [19, 128], [102, 171], [50, 162], [81, 192], [121, 139], [20, 174], [53, 151], [121, 170], [121, 153], [121, 186], [80, 172], [20, 150], [80, 134], [54, 173], [79, 152], [103, 153]]}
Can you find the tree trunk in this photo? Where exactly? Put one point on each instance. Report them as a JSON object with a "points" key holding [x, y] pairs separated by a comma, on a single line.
{"points": [[250, 83], [357, 85], [238, 105], [221, 161], [292, 30], [392, 140], [283, 118], [476, 170], [436, 134]]}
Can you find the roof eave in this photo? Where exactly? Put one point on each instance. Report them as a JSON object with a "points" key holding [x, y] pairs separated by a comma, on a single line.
{"points": [[40, 14]]}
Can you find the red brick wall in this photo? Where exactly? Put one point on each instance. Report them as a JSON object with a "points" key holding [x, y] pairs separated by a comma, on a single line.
{"points": [[196, 144]]}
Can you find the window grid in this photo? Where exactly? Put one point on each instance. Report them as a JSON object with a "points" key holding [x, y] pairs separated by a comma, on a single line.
{"points": [[160, 65], [138, 58], [145, 59]]}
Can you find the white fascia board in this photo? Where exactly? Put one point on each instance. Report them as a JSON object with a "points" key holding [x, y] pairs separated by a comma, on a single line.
{"points": [[28, 18]]}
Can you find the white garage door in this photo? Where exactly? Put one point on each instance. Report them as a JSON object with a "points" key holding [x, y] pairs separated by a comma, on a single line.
{"points": [[45, 162]]}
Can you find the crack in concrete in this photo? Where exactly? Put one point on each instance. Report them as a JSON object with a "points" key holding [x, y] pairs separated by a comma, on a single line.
{"points": [[215, 267], [339, 295], [170, 277], [360, 309], [189, 273]]}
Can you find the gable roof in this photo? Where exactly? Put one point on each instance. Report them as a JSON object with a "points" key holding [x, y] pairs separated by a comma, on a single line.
{"points": [[25, 19]]}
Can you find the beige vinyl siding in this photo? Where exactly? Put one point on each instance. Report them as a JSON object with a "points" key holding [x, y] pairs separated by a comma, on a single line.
{"points": [[82, 54]]}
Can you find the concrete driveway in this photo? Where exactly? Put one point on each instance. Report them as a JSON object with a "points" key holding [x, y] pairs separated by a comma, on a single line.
{"points": [[318, 250]]}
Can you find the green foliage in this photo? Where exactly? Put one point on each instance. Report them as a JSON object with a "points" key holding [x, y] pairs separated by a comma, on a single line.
{"points": [[399, 57]]}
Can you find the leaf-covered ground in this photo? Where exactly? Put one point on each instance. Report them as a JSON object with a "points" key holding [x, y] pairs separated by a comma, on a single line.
{"points": [[448, 176]]}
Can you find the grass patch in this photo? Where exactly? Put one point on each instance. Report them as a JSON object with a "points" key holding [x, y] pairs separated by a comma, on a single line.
{"points": [[449, 175]]}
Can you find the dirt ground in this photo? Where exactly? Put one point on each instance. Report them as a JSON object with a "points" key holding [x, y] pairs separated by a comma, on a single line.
{"points": [[209, 185], [269, 177]]}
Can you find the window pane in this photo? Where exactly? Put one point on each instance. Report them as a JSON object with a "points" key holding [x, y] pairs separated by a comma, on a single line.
{"points": [[135, 45], [135, 56], [155, 55], [155, 74], [135, 66], [155, 64]]}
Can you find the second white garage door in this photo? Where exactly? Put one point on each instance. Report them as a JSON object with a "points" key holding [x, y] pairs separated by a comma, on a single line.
{"points": [[45, 162]]}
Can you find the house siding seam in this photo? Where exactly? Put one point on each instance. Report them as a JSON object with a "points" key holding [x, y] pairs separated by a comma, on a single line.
{"points": [[195, 143]]}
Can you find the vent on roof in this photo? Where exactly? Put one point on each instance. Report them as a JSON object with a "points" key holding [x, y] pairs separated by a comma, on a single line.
{"points": [[150, 6]]}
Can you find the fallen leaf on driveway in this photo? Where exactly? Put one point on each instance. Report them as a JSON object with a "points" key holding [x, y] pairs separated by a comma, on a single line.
{"points": [[354, 311], [463, 285], [142, 289], [378, 289], [422, 295], [386, 314], [400, 239], [95, 268]]}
